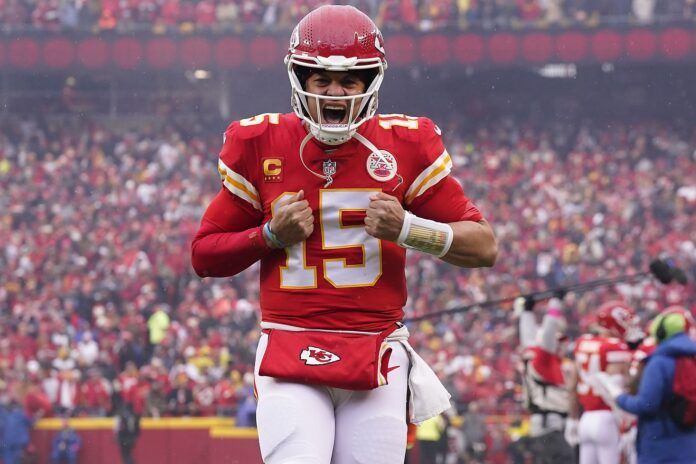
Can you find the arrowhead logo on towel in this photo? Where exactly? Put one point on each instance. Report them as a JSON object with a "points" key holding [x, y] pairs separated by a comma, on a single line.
{"points": [[314, 356]]}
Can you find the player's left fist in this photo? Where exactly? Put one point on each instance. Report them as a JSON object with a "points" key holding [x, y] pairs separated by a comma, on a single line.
{"points": [[385, 216]]}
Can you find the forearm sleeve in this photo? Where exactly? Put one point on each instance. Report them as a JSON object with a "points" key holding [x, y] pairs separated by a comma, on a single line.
{"points": [[229, 239], [528, 329], [551, 327]]}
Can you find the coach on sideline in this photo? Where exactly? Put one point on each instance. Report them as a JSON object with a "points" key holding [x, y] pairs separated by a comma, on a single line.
{"points": [[660, 438]]}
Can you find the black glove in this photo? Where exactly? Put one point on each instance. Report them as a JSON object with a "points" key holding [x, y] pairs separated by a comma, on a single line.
{"points": [[529, 303], [560, 293]]}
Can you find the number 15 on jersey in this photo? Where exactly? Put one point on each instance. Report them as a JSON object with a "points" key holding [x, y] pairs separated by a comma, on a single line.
{"points": [[336, 232]]}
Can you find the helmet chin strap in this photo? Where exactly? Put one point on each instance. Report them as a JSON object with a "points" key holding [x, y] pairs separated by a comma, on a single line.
{"points": [[329, 179], [370, 146]]}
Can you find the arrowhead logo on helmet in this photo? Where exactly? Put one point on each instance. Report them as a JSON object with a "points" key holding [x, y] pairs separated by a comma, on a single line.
{"points": [[313, 356], [616, 317], [294, 39]]}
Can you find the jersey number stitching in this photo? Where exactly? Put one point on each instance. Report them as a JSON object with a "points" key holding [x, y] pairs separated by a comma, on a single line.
{"points": [[296, 274], [387, 121], [273, 118], [588, 365]]}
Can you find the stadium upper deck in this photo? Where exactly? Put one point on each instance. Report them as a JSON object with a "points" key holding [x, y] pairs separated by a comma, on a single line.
{"points": [[272, 15]]}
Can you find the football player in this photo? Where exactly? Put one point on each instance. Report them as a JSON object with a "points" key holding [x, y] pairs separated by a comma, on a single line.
{"points": [[328, 198], [598, 431]]}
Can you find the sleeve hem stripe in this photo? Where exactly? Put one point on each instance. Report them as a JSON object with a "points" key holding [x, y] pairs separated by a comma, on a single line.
{"points": [[238, 178], [232, 187], [238, 185], [430, 176], [434, 179]]}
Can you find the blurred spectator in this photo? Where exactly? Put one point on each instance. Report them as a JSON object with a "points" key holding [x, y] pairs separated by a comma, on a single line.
{"points": [[15, 430], [87, 350], [128, 350], [520, 449], [226, 395], [430, 435], [127, 432], [61, 389], [126, 385], [93, 396], [246, 411], [157, 325], [37, 404], [66, 445], [64, 362], [180, 398], [204, 397], [156, 400], [474, 429]]}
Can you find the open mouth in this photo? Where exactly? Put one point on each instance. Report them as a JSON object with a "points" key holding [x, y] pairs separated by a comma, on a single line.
{"points": [[334, 114]]}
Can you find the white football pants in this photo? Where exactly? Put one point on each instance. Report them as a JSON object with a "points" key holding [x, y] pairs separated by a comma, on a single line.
{"points": [[598, 432], [308, 424]]}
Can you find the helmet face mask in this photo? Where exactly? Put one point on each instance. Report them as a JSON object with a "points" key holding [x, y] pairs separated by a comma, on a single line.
{"points": [[335, 38]]}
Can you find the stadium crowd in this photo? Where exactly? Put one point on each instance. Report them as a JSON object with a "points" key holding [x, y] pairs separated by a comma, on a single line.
{"points": [[238, 15], [99, 304]]}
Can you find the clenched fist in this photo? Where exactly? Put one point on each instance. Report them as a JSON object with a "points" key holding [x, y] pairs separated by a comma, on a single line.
{"points": [[292, 219], [385, 216]]}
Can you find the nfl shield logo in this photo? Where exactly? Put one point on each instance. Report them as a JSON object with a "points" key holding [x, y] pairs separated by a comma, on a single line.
{"points": [[329, 168]]}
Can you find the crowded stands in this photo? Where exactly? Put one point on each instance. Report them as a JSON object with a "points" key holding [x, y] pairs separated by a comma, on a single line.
{"points": [[161, 16], [100, 305]]}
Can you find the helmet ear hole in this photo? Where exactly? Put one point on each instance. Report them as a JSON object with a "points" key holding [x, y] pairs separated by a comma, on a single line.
{"points": [[367, 76]]}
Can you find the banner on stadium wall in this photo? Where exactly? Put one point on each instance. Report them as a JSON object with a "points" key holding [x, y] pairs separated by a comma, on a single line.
{"points": [[151, 52]]}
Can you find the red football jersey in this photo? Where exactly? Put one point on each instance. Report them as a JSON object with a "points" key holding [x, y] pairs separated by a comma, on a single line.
{"points": [[340, 277], [593, 353]]}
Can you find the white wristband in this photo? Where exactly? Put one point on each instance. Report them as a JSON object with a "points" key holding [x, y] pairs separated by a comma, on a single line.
{"points": [[424, 235]]}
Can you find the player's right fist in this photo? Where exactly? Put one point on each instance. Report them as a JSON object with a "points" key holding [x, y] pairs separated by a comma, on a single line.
{"points": [[293, 220]]}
